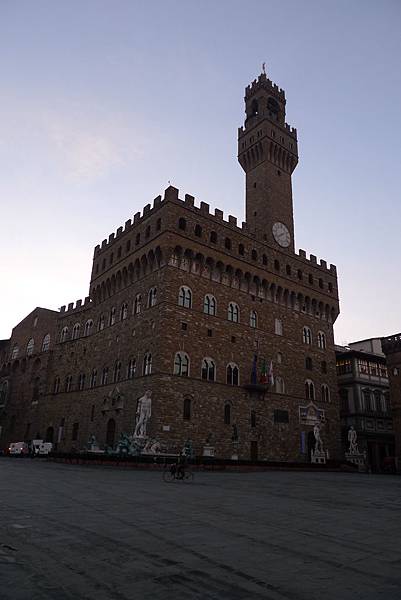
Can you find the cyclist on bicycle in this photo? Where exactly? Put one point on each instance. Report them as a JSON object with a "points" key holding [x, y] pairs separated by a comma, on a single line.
{"points": [[180, 466]]}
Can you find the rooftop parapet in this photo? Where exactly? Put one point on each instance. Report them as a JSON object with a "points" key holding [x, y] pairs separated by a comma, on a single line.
{"points": [[292, 131], [263, 82], [171, 194], [391, 343], [313, 261], [129, 224], [78, 306]]}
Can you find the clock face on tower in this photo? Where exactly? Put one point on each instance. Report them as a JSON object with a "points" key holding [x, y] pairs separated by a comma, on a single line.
{"points": [[281, 234]]}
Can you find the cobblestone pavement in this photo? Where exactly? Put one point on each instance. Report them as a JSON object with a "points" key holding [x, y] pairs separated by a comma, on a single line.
{"points": [[78, 532]]}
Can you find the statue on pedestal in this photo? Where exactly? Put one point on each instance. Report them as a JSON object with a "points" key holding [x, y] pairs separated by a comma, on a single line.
{"points": [[143, 414], [352, 438], [318, 440]]}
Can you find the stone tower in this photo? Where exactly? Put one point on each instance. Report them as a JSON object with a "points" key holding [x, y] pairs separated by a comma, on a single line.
{"points": [[267, 151]]}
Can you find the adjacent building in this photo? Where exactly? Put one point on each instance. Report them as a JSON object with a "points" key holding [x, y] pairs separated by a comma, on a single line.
{"points": [[228, 327], [392, 349], [365, 400]]}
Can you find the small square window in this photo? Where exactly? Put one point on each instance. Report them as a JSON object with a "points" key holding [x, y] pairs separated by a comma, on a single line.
{"points": [[233, 339], [209, 332], [184, 326]]}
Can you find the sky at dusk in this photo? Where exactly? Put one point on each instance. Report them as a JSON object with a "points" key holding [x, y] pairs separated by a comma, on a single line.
{"points": [[103, 102]]}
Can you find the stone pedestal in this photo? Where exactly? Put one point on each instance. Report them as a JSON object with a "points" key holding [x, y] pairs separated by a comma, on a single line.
{"points": [[208, 451], [318, 457], [357, 458]]}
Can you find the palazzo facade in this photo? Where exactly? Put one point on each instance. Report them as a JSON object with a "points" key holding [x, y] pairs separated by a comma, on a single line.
{"points": [[225, 323]]}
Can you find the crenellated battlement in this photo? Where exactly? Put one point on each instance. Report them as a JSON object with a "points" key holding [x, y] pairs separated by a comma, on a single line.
{"points": [[312, 260], [138, 218], [263, 82], [78, 306], [292, 131]]}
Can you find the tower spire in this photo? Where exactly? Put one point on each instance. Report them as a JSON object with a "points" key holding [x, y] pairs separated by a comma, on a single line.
{"points": [[267, 151]]}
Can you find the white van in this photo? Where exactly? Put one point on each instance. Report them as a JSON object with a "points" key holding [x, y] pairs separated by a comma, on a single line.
{"points": [[18, 448]]}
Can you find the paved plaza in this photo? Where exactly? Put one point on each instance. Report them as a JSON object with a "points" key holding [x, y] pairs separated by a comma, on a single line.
{"points": [[103, 533]]}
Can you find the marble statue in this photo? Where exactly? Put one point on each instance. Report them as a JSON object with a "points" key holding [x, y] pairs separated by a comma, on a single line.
{"points": [[143, 414], [352, 438], [318, 439]]}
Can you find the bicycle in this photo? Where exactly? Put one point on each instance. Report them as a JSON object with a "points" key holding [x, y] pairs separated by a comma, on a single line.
{"points": [[171, 473]]}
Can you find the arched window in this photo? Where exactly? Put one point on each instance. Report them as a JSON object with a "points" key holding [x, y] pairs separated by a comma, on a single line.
{"points": [[147, 364], [209, 305], [181, 364], [158, 224], [213, 237], [56, 385], [227, 414], [254, 255], [182, 224], [208, 369], [117, 371], [277, 265], [105, 375], [185, 297], [46, 343], [321, 340], [30, 347], [81, 381], [147, 232], [309, 390], [112, 316], [227, 243], [323, 366], [254, 108], [137, 239], [152, 295], [187, 409], [278, 327], [14, 353], [131, 368], [306, 335], [232, 374], [137, 304], [253, 418], [241, 249], [68, 383], [325, 393], [233, 312], [280, 385], [75, 331], [64, 334], [100, 325], [124, 311], [198, 231], [288, 269], [93, 378], [308, 363], [88, 327], [253, 319], [264, 259]]}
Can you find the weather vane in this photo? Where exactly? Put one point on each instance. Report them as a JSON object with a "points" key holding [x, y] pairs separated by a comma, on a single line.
{"points": [[264, 68]]}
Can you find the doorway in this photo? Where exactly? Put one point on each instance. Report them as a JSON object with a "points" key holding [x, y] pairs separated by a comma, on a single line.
{"points": [[110, 432]]}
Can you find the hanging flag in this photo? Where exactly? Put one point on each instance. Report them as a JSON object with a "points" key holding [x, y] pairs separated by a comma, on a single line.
{"points": [[254, 374], [263, 373], [271, 374]]}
